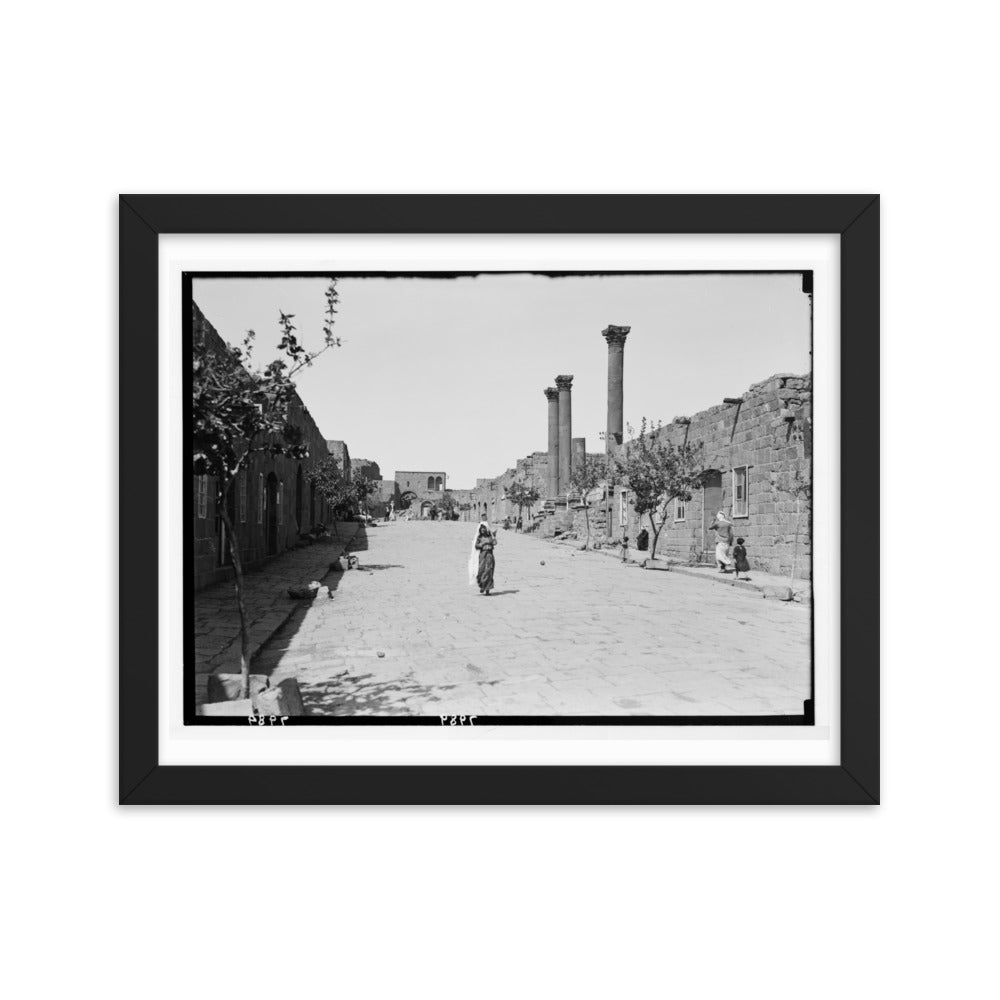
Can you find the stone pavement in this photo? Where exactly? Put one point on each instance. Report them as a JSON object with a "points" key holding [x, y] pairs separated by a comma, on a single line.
{"points": [[217, 620], [579, 635]]}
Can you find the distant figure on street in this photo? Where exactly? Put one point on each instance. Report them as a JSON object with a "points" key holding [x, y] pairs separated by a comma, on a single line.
{"points": [[723, 529], [481, 559], [740, 557]]}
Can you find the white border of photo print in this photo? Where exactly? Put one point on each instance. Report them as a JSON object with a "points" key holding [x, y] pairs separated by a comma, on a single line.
{"points": [[818, 744]]}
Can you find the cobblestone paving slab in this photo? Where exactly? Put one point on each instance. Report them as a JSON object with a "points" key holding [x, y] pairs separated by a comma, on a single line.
{"points": [[580, 635], [217, 620]]}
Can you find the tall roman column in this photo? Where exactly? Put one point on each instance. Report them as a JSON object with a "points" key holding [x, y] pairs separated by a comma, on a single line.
{"points": [[615, 336], [552, 395], [564, 383]]}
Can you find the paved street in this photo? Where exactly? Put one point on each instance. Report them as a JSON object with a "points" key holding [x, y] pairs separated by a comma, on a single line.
{"points": [[580, 635], [216, 617]]}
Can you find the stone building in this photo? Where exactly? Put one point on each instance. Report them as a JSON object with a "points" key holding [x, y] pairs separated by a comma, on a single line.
{"points": [[489, 498], [386, 496], [270, 503], [757, 457], [339, 450], [365, 468], [419, 490]]}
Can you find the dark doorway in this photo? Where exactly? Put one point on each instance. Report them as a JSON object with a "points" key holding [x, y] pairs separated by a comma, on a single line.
{"points": [[711, 496], [271, 513]]}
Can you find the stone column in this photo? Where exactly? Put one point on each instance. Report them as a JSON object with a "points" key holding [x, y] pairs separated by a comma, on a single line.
{"points": [[564, 383], [579, 453], [552, 480], [615, 336]]}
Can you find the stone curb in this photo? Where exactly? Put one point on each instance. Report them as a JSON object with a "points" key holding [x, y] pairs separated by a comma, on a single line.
{"points": [[804, 594], [764, 589]]}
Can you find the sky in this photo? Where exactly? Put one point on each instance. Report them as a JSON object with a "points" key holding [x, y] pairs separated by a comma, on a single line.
{"points": [[448, 374]]}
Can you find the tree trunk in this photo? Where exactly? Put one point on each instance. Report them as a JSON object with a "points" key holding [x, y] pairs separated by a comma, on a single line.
{"points": [[234, 552], [656, 535]]}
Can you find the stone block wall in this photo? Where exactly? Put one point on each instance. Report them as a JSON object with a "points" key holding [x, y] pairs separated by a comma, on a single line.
{"points": [[488, 499], [342, 454], [365, 468], [489, 496], [296, 507], [767, 432], [419, 489]]}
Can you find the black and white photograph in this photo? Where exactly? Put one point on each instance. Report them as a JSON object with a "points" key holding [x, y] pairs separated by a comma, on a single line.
{"points": [[487, 500], [498, 497]]}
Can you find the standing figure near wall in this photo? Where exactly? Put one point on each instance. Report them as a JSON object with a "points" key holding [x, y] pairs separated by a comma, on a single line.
{"points": [[723, 529]]}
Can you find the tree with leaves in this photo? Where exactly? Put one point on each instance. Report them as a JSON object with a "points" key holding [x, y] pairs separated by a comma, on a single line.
{"points": [[658, 472], [522, 495], [242, 410], [584, 479], [329, 481], [445, 506], [363, 490]]}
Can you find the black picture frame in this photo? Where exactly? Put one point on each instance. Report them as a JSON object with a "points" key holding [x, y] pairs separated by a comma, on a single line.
{"points": [[143, 780]]}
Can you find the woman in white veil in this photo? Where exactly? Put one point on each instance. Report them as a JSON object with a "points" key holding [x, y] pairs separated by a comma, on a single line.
{"points": [[723, 529], [481, 561]]}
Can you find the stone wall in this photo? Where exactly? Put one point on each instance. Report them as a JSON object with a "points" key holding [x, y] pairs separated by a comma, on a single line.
{"points": [[419, 489], [365, 468], [342, 454], [489, 496], [269, 504], [768, 433]]}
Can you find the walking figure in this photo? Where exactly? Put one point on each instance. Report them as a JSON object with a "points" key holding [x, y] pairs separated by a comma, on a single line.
{"points": [[481, 560]]}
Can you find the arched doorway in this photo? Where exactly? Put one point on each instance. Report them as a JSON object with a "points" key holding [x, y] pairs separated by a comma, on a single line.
{"points": [[711, 503], [425, 508], [271, 513]]}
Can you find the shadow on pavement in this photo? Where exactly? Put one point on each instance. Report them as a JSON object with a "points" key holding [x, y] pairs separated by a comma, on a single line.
{"points": [[359, 543], [502, 593], [276, 646], [360, 694]]}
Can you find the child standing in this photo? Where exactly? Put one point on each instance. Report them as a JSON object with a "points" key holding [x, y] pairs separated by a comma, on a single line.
{"points": [[740, 557]]}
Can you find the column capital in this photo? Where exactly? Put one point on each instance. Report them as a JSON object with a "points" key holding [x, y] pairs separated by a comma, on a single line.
{"points": [[564, 382], [615, 334], [551, 394]]}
